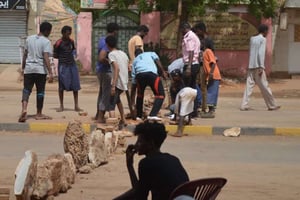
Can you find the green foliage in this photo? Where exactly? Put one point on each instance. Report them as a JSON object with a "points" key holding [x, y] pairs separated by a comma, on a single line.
{"points": [[73, 4], [259, 8]]}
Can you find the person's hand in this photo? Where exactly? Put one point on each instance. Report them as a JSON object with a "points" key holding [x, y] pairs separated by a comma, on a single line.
{"points": [[211, 76], [165, 75], [113, 91], [260, 71], [130, 151], [50, 80], [188, 71]]}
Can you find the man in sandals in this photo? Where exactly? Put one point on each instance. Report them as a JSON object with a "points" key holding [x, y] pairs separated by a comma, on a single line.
{"points": [[35, 65]]}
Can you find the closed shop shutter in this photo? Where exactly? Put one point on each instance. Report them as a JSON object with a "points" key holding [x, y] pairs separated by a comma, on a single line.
{"points": [[12, 28]]}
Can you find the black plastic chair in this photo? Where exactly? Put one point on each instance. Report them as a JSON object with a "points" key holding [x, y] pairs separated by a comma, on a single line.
{"points": [[200, 189]]}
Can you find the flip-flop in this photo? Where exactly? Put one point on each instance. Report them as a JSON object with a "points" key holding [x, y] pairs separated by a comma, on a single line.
{"points": [[23, 117], [43, 117]]}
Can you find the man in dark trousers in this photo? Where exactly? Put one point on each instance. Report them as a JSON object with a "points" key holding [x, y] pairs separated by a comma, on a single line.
{"points": [[35, 67], [159, 173]]}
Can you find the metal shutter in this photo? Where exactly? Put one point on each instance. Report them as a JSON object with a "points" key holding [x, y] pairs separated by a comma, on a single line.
{"points": [[12, 27]]}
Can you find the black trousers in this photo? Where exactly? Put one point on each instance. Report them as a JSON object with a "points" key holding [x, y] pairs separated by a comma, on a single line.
{"points": [[149, 79], [39, 80]]}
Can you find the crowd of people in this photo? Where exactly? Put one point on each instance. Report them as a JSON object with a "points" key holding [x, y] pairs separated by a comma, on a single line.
{"points": [[197, 69], [195, 79]]}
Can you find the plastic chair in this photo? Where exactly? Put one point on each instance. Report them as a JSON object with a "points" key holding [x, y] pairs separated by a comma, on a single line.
{"points": [[200, 189]]}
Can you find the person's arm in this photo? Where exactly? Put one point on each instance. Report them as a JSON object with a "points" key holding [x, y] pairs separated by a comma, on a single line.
{"points": [[130, 151], [161, 69], [103, 57], [24, 59], [261, 56], [115, 75], [47, 62]]}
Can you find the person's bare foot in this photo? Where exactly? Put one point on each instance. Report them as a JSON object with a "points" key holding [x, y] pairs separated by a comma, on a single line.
{"points": [[23, 117], [60, 109], [176, 134], [77, 109], [42, 117]]}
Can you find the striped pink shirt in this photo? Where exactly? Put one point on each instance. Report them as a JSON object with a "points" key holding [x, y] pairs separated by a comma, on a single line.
{"points": [[190, 42]]}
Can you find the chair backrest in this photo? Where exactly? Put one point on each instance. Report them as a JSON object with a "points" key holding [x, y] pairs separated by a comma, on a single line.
{"points": [[200, 189]]}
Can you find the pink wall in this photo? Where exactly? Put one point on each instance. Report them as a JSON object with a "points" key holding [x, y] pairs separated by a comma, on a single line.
{"points": [[235, 63], [84, 38], [152, 20]]}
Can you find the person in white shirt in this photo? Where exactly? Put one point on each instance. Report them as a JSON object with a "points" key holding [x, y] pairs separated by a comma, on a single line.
{"points": [[35, 67], [119, 83], [256, 71]]}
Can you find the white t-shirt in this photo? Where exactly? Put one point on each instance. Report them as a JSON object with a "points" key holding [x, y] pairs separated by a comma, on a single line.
{"points": [[186, 97], [122, 60], [176, 64], [36, 45]]}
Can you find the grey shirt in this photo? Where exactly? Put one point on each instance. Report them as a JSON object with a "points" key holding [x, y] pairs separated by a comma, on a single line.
{"points": [[36, 45], [257, 52]]}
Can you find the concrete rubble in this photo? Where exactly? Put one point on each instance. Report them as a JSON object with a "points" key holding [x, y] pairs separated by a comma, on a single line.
{"points": [[57, 173]]}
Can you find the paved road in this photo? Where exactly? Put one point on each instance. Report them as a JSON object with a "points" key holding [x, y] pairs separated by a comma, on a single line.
{"points": [[257, 167]]}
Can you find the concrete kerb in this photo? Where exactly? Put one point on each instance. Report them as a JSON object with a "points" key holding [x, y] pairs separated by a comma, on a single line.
{"points": [[190, 130]]}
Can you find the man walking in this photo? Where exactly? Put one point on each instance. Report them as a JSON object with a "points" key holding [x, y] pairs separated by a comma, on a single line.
{"points": [[35, 64], [256, 71]]}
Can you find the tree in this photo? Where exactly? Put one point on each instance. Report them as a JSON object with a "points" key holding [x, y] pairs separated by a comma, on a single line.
{"points": [[73, 4], [185, 8]]}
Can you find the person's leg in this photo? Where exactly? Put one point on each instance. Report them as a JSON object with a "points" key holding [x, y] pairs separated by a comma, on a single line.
{"points": [[76, 104], [75, 85], [27, 89], [158, 91], [250, 83], [104, 104], [203, 90], [99, 95], [266, 92], [212, 95], [61, 87], [40, 83], [61, 100], [141, 85]]}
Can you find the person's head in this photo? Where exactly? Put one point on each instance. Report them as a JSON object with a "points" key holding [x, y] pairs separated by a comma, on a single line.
{"points": [[112, 28], [142, 30], [111, 42], [176, 75], [150, 135], [66, 31], [45, 28], [185, 27], [200, 29], [263, 29], [208, 44], [138, 51]]}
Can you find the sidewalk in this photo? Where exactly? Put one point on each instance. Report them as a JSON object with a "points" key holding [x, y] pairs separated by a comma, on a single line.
{"points": [[259, 121]]}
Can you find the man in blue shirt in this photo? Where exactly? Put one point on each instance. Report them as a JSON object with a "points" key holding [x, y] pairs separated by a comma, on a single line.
{"points": [[104, 74], [144, 73]]}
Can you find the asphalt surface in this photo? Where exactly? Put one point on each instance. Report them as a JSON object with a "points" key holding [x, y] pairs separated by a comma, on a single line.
{"points": [[258, 121]]}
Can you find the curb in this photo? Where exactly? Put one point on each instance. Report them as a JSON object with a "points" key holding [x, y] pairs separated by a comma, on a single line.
{"points": [[190, 130]]}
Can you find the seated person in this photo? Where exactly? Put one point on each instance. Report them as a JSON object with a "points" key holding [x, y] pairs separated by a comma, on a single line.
{"points": [[159, 173]]}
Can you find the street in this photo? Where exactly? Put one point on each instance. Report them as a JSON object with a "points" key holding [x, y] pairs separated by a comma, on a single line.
{"points": [[256, 167]]}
